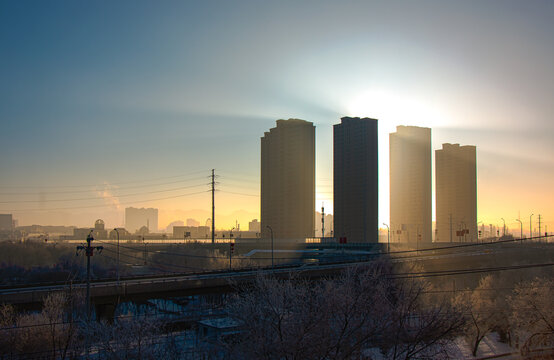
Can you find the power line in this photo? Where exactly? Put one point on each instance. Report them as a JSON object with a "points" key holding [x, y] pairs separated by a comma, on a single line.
{"points": [[241, 180], [237, 193], [104, 187], [101, 198], [106, 205], [467, 271], [467, 245], [90, 185]]}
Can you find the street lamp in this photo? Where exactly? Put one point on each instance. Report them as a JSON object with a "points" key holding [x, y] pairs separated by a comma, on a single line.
{"points": [[117, 232], [388, 238], [521, 230], [270, 229], [531, 226], [504, 229]]}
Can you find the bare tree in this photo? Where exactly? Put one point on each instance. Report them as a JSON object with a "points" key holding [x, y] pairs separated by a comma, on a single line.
{"points": [[482, 311], [8, 332], [531, 317], [128, 338], [340, 318]]}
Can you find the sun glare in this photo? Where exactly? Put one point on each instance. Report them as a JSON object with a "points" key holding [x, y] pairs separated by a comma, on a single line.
{"points": [[393, 108]]}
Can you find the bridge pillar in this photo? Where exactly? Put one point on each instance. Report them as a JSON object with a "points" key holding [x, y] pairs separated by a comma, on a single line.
{"points": [[105, 312]]}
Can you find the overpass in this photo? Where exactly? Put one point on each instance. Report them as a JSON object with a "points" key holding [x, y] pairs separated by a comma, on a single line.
{"points": [[106, 294]]}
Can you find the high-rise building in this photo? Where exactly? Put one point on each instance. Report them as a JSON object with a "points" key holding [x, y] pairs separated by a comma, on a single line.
{"points": [[6, 222], [288, 180], [356, 179], [456, 193], [410, 185], [137, 218], [254, 225]]}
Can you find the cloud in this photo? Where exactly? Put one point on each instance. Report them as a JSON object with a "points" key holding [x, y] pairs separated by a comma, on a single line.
{"points": [[106, 193]]}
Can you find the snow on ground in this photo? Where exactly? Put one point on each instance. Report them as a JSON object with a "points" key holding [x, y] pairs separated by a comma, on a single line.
{"points": [[489, 346]]}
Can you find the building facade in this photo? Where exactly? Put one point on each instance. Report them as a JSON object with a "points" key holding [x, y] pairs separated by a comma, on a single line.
{"points": [[356, 180], [456, 193], [288, 180], [137, 218], [410, 185]]}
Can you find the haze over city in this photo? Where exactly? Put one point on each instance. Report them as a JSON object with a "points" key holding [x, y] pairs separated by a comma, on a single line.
{"points": [[115, 99], [308, 179]]}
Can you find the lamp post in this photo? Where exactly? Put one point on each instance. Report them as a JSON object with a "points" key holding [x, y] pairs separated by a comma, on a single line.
{"points": [[270, 229], [531, 226], [117, 232], [504, 228], [521, 230], [388, 238]]}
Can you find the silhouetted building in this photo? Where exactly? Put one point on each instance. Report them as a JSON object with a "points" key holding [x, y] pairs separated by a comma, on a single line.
{"points": [[137, 218], [288, 180], [254, 226], [410, 184], [99, 230], [6, 227], [123, 234], [356, 180], [456, 193], [191, 232], [169, 227], [81, 233], [6, 222], [192, 222]]}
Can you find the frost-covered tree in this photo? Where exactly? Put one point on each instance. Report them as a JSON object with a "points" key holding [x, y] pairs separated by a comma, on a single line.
{"points": [[532, 315], [363, 310], [482, 311]]}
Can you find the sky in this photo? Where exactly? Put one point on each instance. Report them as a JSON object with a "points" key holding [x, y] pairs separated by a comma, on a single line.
{"points": [[108, 104]]}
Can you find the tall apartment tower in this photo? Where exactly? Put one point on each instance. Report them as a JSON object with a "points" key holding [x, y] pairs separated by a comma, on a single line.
{"points": [[410, 185], [355, 179], [456, 193], [288, 180]]}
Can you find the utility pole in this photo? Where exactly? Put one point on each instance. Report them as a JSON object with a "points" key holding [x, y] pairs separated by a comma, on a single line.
{"points": [[521, 231], [539, 226], [270, 229], [450, 227], [117, 232], [231, 250], [144, 253], [213, 206], [89, 251], [531, 226], [388, 237], [322, 221]]}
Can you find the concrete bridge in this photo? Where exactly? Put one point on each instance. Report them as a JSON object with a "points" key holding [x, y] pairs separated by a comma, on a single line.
{"points": [[106, 295]]}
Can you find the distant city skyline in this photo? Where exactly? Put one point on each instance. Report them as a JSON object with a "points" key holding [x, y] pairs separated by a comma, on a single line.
{"points": [[116, 95]]}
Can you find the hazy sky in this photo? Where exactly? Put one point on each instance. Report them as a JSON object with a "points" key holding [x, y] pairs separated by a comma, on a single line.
{"points": [[126, 101]]}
